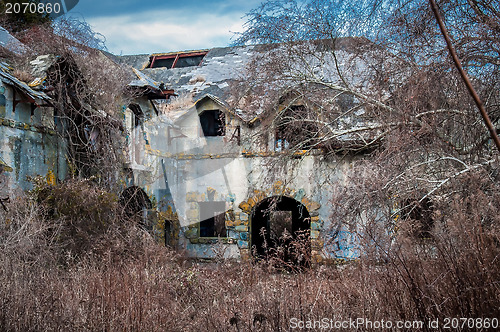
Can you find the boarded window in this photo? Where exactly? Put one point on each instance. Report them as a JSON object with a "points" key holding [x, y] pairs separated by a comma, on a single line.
{"points": [[212, 219], [213, 123]]}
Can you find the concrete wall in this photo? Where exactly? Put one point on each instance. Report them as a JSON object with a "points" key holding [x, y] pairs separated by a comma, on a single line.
{"points": [[30, 146], [185, 168]]}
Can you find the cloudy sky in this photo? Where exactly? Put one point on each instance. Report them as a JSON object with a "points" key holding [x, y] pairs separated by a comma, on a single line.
{"points": [[147, 26]]}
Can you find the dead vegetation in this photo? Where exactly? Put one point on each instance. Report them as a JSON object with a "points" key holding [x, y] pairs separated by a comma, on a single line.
{"points": [[71, 260], [93, 270], [87, 90]]}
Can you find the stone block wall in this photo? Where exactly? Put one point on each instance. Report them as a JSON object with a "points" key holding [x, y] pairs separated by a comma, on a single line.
{"points": [[238, 217]]}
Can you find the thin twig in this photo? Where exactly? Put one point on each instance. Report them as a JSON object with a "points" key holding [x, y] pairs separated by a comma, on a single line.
{"points": [[468, 83]]}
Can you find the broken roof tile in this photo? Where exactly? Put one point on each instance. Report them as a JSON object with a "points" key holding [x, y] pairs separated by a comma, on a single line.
{"points": [[220, 65], [7, 77], [10, 43]]}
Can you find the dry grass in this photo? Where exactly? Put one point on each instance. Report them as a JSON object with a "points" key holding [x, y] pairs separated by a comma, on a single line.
{"points": [[152, 288]]}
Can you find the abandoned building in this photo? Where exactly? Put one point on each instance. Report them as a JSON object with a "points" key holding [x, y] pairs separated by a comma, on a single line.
{"points": [[213, 180], [208, 177], [33, 131], [28, 137]]}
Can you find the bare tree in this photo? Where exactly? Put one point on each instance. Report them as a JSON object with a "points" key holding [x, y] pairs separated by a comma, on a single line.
{"points": [[88, 90], [390, 92], [422, 197]]}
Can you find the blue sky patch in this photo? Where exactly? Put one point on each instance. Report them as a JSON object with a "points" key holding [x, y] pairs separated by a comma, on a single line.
{"points": [[137, 27]]}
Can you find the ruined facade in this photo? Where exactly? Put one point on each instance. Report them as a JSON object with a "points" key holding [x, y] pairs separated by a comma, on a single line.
{"points": [[221, 184], [28, 137], [29, 141], [206, 176]]}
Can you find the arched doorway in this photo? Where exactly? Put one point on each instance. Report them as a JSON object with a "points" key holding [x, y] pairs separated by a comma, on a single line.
{"points": [[280, 226]]}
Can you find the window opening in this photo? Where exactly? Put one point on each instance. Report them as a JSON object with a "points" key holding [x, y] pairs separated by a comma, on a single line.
{"points": [[189, 61], [212, 219], [3, 102], [292, 133], [213, 123], [177, 60], [138, 114], [136, 203], [163, 63]]}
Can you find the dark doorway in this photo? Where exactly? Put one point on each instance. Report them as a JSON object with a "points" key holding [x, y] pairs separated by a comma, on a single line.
{"points": [[280, 228], [135, 203]]}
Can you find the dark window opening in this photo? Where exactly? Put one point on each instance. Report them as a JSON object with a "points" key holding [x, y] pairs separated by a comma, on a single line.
{"points": [[212, 219], [179, 60], [295, 131], [346, 102], [169, 239], [136, 203], [420, 216], [189, 61], [138, 114], [213, 123], [2, 105], [163, 63]]}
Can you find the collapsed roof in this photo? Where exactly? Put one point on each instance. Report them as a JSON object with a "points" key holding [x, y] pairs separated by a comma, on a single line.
{"points": [[211, 75]]}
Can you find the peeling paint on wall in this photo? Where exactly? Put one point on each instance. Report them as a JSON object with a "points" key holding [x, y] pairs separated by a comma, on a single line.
{"points": [[30, 148]]}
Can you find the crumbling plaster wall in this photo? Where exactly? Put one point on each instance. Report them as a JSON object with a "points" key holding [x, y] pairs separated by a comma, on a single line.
{"points": [[134, 137], [191, 169], [30, 146]]}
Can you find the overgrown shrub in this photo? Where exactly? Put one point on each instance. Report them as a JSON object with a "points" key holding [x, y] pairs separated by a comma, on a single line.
{"points": [[81, 215], [73, 221], [125, 281]]}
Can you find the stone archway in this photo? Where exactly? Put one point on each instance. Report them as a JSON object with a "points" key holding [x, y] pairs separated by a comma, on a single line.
{"points": [[241, 223], [280, 227]]}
